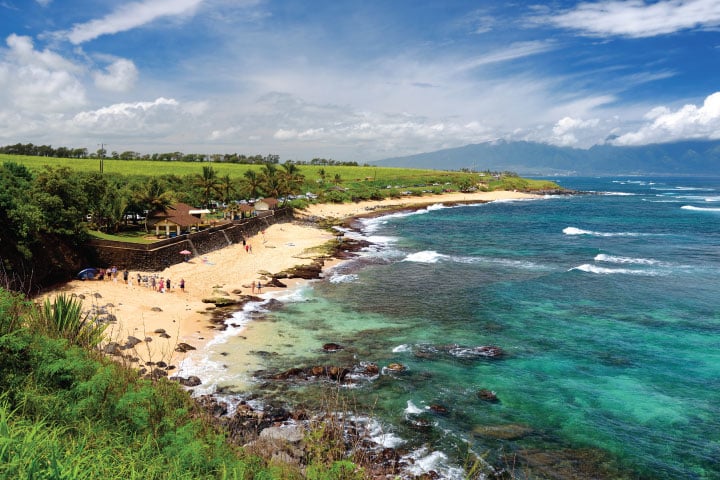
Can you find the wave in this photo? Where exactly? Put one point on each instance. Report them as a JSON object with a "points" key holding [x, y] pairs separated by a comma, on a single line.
{"points": [[426, 256], [699, 209], [343, 278], [372, 224], [618, 194], [588, 268], [579, 231], [601, 257], [413, 409]]}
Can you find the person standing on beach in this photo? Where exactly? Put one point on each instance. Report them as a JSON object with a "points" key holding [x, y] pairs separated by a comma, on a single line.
{"points": [[252, 284], [126, 275], [152, 282], [182, 285], [167, 284], [259, 287]]}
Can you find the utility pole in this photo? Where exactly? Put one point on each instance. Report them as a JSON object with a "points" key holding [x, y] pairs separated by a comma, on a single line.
{"points": [[102, 157]]}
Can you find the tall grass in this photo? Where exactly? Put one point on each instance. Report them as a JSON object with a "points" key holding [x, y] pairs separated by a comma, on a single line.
{"points": [[63, 317]]}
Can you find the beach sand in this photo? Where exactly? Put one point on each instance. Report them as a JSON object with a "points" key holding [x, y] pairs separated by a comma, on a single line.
{"points": [[141, 311]]}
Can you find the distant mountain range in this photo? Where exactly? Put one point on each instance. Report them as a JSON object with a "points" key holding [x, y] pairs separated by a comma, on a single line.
{"points": [[528, 158]]}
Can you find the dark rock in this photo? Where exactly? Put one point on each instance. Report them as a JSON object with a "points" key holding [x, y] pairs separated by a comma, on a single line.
{"points": [[293, 372], [487, 396], [220, 301], [437, 408], [112, 348], [274, 282], [211, 404], [308, 272], [184, 347], [156, 309], [511, 431], [372, 369], [159, 330], [161, 364], [273, 305], [332, 347], [164, 335], [191, 381], [396, 367]]}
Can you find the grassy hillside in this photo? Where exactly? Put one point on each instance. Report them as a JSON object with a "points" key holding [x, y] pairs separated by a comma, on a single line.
{"points": [[66, 411]]}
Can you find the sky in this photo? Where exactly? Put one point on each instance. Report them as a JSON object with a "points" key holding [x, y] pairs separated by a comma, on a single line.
{"points": [[355, 80]]}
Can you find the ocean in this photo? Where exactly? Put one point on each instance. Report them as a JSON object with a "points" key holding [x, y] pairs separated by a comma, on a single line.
{"points": [[606, 306]]}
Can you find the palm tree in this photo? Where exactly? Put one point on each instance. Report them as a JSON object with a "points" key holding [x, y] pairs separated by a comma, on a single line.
{"points": [[292, 179], [153, 197], [251, 184], [226, 187], [208, 182], [337, 180], [271, 180]]}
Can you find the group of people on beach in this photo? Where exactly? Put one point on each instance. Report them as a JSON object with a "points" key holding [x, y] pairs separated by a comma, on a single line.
{"points": [[154, 282]]}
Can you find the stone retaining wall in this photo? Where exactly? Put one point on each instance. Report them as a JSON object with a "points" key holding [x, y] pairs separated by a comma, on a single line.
{"points": [[160, 255]]}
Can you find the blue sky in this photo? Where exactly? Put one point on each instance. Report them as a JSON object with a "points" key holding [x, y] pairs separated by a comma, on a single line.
{"points": [[355, 80]]}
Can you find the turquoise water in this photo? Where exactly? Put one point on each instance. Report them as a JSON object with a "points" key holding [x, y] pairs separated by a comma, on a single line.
{"points": [[606, 305]]}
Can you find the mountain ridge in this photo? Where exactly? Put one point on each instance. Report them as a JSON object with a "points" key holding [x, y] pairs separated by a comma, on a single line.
{"points": [[531, 158]]}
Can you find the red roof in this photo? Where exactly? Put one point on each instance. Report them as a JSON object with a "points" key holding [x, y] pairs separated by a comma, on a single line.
{"points": [[177, 214]]}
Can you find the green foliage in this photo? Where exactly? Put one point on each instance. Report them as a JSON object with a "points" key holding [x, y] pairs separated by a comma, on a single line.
{"points": [[339, 470], [12, 306], [64, 318]]}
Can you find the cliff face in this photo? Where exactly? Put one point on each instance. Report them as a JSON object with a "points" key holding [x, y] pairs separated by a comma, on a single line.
{"points": [[52, 259]]}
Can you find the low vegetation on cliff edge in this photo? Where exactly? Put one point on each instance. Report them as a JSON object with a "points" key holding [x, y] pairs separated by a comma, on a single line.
{"points": [[68, 412]]}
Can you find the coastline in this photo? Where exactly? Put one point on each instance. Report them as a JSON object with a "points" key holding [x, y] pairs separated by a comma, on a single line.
{"points": [[182, 316]]}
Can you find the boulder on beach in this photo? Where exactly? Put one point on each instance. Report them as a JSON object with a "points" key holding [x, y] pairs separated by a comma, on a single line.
{"points": [[184, 347]]}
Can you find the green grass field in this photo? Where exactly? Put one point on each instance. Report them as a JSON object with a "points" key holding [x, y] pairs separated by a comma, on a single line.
{"points": [[152, 168]]}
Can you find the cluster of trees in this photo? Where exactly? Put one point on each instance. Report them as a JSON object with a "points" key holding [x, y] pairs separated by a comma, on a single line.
{"points": [[44, 151], [63, 152], [63, 202]]}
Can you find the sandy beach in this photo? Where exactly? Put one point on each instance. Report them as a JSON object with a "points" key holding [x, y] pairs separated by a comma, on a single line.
{"points": [[142, 312]]}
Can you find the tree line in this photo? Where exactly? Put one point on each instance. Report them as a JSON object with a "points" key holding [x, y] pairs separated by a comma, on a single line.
{"points": [[63, 152]]}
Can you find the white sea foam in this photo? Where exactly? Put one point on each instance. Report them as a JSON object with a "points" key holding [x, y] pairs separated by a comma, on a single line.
{"points": [[412, 409], [423, 461], [699, 209], [601, 257], [618, 194], [579, 231], [343, 278], [426, 256], [589, 268], [378, 434], [402, 348]]}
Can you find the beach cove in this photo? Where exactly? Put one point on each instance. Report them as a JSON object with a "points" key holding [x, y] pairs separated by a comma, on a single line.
{"points": [[167, 323]]}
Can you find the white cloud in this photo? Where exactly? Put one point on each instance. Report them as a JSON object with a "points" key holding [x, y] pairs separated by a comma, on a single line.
{"points": [[38, 81], [688, 122], [567, 129], [119, 76], [638, 18], [129, 16], [139, 118], [44, 3], [511, 52]]}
